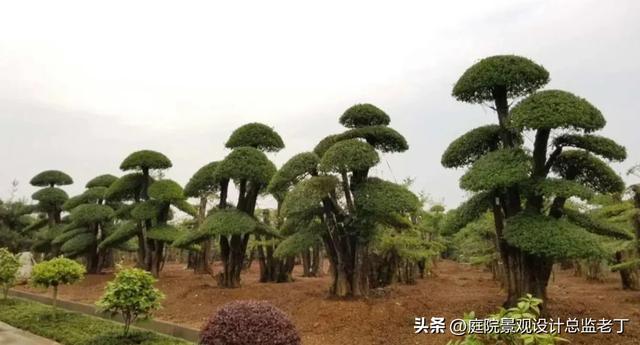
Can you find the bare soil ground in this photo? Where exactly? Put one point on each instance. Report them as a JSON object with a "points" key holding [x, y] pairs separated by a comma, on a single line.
{"points": [[453, 290]]}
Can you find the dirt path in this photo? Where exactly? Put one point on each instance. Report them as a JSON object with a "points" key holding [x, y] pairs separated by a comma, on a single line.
{"points": [[387, 320]]}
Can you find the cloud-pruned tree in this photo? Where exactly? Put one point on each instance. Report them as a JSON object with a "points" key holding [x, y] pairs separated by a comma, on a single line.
{"points": [[329, 194], [526, 189], [250, 170]]}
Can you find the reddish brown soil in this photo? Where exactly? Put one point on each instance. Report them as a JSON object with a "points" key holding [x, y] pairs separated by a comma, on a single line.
{"points": [[387, 320]]}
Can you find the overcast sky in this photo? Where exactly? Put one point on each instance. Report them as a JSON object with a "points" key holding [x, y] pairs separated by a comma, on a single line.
{"points": [[83, 84]]}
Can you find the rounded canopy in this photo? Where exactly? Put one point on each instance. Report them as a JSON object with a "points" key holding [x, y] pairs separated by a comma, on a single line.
{"points": [[550, 109], [51, 178], [349, 155], [145, 159], [247, 163], [101, 181], [516, 75], [364, 115], [203, 181], [256, 135], [166, 190]]}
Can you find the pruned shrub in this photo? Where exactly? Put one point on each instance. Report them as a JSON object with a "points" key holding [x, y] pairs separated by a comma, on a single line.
{"points": [[55, 272], [132, 295], [249, 323], [8, 268]]}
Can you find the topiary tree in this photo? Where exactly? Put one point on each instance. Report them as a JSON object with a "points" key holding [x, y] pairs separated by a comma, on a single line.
{"points": [[517, 184], [146, 208], [56, 272], [90, 222], [131, 294], [251, 170], [249, 323], [9, 266], [331, 186], [50, 200], [204, 184]]}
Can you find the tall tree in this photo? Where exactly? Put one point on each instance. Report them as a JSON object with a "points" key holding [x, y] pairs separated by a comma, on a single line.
{"points": [[250, 169], [527, 189], [50, 200], [90, 220], [203, 185], [331, 186]]}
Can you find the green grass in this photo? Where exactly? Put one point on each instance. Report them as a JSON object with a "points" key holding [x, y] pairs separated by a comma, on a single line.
{"points": [[70, 328]]}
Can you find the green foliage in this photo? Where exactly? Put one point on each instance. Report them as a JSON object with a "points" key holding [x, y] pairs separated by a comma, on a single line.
{"points": [[408, 245], [296, 168], [527, 308], [247, 163], [166, 190], [185, 207], [56, 272], [189, 238], [165, 233], [549, 237], [127, 187], [149, 209], [467, 212], [204, 181], [349, 155], [50, 198], [516, 75], [50, 178], [588, 170], [305, 198], [562, 188], [79, 244], [132, 295], [123, 233], [497, 170], [599, 145], [86, 214], [256, 135], [382, 138], [9, 266], [474, 243], [67, 235], [364, 115], [550, 109], [145, 159], [102, 181], [597, 226], [297, 243], [227, 222], [380, 199], [472, 145], [74, 328]]}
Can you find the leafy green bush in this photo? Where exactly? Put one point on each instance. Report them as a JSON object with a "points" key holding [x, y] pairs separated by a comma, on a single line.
{"points": [[55, 272], [131, 294], [527, 308], [8, 268]]}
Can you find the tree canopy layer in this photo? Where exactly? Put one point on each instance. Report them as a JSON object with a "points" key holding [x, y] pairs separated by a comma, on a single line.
{"points": [[51, 178], [256, 135], [516, 76], [364, 115], [145, 159]]}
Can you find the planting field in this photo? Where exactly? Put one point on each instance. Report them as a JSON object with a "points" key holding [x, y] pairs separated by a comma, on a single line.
{"points": [[387, 318]]}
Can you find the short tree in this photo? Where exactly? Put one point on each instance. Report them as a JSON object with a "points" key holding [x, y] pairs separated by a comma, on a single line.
{"points": [[56, 272], [132, 295], [8, 268]]}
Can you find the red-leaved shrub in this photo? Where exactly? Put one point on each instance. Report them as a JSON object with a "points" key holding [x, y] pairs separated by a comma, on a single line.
{"points": [[249, 323]]}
